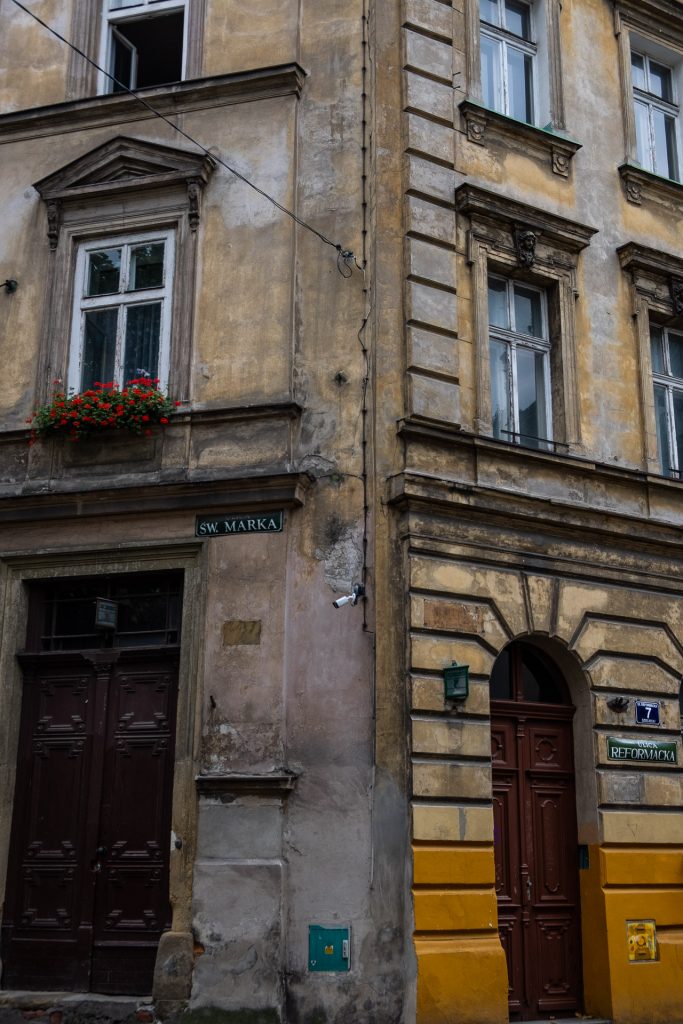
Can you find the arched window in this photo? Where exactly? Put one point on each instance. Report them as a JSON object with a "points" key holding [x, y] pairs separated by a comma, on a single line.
{"points": [[523, 673]]}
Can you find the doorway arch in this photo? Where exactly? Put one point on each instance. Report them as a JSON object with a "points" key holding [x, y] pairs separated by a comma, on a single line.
{"points": [[535, 833]]}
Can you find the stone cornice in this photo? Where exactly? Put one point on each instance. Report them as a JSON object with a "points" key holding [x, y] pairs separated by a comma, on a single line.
{"points": [[634, 256], [194, 494], [482, 124], [115, 109], [640, 184], [482, 472], [496, 207], [665, 17]]}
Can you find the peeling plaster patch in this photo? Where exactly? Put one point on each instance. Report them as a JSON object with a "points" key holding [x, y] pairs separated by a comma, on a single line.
{"points": [[342, 554]]}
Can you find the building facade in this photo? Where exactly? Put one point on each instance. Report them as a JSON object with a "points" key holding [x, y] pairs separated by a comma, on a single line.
{"points": [[462, 390]]}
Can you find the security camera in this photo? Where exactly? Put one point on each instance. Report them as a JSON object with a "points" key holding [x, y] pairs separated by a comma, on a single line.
{"points": [[352, 598]]}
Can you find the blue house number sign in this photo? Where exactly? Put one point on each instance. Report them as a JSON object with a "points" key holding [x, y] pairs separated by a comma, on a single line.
{"points": [[647, 712]]}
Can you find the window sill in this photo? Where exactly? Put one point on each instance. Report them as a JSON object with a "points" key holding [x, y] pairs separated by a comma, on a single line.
{"points": [[640, 184], [483, 124], [114, 108]]}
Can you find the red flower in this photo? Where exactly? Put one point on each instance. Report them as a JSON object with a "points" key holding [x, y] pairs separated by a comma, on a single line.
{"points": [[145, 418], [162, 420]]}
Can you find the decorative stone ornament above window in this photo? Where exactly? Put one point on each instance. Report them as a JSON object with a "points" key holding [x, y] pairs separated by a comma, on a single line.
{"points": [[124, 189], [650, 38], [514, 241], [120, 167], [514, 79], [657, 293]]}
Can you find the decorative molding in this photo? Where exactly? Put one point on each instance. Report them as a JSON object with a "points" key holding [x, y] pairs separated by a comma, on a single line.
{"points": [[494, 208], [232, 785], [640, 185], [676, 286], [194, 493], [115, 109], [483, 125], [660, 19]]}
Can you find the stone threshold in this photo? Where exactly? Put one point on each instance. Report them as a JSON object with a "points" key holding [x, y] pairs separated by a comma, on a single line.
{"points": [[57, 1007]]}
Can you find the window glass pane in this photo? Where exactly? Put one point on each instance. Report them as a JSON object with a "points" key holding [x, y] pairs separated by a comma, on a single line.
{"points": [[143, 326], [498, 303], [528, 312], [676, 354], [664, 128], [99, 346], [678, 427], [500, 684], [489, 10], [519, 85], [531, 395], [517, 18], [500, 391], [638, 71], [660, 81], [643, 135], [146, 266], [122, 64], [538, 683], [114, 5], [490, 73], [657, 349], [662, 429], [104, 269], [158, 43]]}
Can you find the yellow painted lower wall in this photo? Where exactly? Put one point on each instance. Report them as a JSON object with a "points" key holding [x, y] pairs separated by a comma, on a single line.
{"points": [[623, 884], [462, 974]]}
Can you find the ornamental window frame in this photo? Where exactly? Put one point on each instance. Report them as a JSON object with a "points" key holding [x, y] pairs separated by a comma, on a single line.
{"points": [[124, 188], [123, 301], [546, 19], [510, 239], [669, 387], [645, 98], [653, 30], [90, 34], [505, 41], [515, 341], [656, 281]]}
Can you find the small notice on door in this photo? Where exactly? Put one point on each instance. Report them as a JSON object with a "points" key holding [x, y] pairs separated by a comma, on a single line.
{"points": [[232, 525]]}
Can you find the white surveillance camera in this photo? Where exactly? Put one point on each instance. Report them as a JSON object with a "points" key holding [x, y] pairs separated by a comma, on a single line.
{"points": [[352, 598]]}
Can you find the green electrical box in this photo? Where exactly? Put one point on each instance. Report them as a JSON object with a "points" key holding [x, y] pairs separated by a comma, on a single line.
{"points": [[329, 949]]}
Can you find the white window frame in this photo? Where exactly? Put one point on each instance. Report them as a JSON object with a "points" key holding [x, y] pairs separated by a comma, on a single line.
{"points": [[122, 300], [513, 340], [652, 102], [112, 17], [670, 384], [508, 40]]}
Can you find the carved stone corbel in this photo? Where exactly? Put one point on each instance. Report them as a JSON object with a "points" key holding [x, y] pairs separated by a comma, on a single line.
{"points": [[676, 287], [561, 162], [54, 217], [475, 123], [194, 191]]}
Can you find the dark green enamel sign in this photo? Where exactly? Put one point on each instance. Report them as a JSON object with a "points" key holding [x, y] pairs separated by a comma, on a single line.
{"points": [[663, 751], [234, 525]]}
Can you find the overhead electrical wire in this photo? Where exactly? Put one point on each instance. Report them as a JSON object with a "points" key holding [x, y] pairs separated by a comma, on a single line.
{"points": [[345, 257]]}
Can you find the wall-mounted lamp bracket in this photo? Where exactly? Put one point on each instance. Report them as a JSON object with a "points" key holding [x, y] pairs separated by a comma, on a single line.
{"points": [[10, 285], [618, 703]]}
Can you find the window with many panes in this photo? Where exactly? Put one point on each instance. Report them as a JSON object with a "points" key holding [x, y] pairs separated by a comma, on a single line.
{"points": [[143, 43], [519, 353], [508, 54], [122, 310], [666, 349], [656, 114]]}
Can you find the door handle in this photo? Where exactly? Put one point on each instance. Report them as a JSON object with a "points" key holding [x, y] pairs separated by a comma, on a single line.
{"points": [[101, 851], [529, 887]]}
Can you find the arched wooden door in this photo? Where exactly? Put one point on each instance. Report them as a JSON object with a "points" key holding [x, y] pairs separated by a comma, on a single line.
{"points": [[535, 836]]}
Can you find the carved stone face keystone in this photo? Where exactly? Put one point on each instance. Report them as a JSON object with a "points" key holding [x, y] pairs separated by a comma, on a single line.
{"points": [[525, 244]]}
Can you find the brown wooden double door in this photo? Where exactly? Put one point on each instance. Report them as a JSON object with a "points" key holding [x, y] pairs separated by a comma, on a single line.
{"points": [[536, 856], [87, 893]]}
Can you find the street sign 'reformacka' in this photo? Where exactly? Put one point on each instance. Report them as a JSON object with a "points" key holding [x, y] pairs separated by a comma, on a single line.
{"points": [[232, 525], [662, 751]]}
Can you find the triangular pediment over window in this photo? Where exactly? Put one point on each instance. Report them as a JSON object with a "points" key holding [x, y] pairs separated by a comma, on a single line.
{"points": [[120, 166], [124, 163]]}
